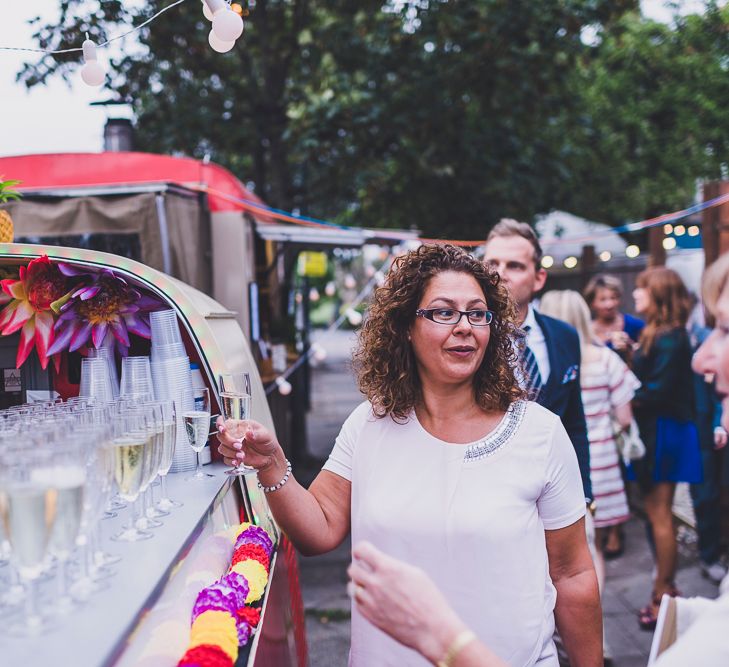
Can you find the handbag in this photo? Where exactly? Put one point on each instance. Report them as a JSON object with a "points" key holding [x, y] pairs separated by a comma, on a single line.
{"points": [[630, 446]]}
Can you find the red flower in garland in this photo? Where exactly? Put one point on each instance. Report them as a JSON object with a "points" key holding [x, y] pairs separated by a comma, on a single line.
{"points": [[206, 655], [35, 298], [250, 552]]}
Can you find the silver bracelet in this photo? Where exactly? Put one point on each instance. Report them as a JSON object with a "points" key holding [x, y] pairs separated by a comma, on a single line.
{"points": [[276, 487]]}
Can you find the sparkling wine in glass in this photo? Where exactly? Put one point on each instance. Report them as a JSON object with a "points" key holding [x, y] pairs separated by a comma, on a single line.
{"points": [[169, 439], [235, 404], [197, 428], [131, 455]]}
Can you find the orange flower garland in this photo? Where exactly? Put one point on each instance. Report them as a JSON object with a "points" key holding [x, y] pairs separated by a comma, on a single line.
{"points": [[221, 619]]}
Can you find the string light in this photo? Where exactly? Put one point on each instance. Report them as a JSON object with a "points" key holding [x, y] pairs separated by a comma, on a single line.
{"points": [[219, 45], [632, 251], [284, 386], [668, 229], [679, 230], [669, 243], [227, 22], [605, 256], [92, 72], [227, 25], [693, 230], [570, 262], [547, 261], [206, 11]]}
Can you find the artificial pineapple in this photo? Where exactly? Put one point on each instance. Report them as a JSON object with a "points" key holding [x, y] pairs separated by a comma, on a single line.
{"points": [[6, 222]]}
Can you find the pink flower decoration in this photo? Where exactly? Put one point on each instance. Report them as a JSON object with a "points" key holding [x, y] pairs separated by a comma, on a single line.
{"points": [[33, 301]]}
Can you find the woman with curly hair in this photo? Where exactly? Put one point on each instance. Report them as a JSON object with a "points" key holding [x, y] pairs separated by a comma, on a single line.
{"points": [[447, 467], [664, 411]]}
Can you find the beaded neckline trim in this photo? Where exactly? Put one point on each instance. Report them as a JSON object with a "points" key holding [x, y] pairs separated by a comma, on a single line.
{"points": [[496, 440]]}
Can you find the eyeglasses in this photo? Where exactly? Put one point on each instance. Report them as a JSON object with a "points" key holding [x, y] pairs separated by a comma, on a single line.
{"points": [[451, 317]]}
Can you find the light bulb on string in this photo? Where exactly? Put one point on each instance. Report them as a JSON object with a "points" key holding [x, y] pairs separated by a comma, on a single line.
{"points": [[219, 45], [227, 25], [354, 317], [318, 352], [92, 73], [207, 12], [284, 386]]}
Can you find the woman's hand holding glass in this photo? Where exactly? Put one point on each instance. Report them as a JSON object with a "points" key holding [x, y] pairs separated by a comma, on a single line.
{"points": [[250, 443]]}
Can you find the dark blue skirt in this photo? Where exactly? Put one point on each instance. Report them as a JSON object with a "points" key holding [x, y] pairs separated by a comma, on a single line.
{"points": [[678, 454]]}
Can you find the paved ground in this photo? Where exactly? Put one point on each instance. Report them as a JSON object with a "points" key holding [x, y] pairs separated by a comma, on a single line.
{"points": [[334, 394]]}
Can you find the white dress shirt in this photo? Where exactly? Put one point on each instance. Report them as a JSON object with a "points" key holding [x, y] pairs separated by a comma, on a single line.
{"points": [[537, 343]]}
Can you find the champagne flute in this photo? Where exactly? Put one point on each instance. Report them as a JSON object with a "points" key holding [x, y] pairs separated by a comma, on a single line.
{"points": [[169, 420], [235, 404], [197, 427], [131, 451]]}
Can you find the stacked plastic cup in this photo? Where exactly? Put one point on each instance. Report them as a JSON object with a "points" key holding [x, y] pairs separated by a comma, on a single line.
{"points": [[136, 380], [107, 352], [95, 380], [172, 379], [166, 337]]}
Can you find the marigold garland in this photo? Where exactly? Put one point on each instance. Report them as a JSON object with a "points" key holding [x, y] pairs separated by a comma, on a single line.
{"points": [[221, 621]]}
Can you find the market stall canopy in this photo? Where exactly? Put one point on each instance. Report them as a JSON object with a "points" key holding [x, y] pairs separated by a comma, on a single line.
{"points": [[167, 212], [314, 236], [74, 170], [556, 228]]}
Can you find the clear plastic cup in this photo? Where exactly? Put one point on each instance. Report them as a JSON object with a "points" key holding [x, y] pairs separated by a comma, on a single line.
{"points": [[107, 353], [95, 380], [162, 352], [164, 326], [136, 380]]}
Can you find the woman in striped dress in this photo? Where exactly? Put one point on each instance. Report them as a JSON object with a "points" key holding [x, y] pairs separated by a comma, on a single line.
{"points": [[607, 386]]}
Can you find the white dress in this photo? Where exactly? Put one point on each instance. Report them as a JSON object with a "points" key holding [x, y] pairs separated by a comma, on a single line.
{"points": [[471, 515], [607, 383]]}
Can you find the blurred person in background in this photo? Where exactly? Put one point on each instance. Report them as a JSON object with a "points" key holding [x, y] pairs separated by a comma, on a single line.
{"points": [[664, 410], [706, 497], [608, 387], [619, 331], [550, 351]]}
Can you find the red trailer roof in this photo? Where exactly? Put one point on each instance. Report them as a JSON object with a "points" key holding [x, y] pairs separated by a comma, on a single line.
{"points": [[65, 170]]}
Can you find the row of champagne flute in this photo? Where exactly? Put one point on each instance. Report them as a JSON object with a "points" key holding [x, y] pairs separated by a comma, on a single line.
{"points": [[59, 464]]}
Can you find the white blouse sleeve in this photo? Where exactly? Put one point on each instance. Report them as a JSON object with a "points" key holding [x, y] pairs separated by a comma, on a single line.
{"points": [[562, 501], [622, 383], [340, 459]]}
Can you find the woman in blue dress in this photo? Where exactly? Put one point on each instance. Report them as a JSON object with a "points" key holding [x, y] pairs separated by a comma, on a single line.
{"points": [[664, 411]]}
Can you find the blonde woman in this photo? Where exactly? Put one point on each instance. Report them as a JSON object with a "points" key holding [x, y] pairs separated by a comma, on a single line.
{"points": [[607, 386]]}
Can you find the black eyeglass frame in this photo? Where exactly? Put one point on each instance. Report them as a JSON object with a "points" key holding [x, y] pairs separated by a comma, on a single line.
{"points": [[427, 313]]}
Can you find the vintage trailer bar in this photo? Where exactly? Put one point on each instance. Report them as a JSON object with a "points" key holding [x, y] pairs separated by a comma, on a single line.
{"points": [[142, 615]]}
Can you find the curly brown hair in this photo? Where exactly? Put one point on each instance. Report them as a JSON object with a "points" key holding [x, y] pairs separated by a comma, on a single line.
{"points": [[384, 359], [668, 303]]}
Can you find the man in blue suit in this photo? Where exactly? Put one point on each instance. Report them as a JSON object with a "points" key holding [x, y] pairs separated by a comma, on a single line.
{"points": [[513, 250]]}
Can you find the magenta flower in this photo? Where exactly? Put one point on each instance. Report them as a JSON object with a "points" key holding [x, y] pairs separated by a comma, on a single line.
{"points": [[32, 301], [104, 305]]}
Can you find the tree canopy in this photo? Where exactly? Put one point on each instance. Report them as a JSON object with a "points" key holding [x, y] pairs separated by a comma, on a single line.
{"points": [[444, 115]]}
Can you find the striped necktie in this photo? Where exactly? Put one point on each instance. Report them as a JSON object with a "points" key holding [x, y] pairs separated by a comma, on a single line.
{"points": [[532, 377]]}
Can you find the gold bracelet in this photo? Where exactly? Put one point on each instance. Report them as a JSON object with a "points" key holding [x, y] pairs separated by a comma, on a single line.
{"points": [[457, 645]]}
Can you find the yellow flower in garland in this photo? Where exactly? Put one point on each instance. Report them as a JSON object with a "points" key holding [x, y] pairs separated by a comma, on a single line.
{"points": [[256, 575], [217, 628]]}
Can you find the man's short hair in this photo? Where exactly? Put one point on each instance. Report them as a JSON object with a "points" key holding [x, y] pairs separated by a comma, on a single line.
{"points": [[511, 227]]}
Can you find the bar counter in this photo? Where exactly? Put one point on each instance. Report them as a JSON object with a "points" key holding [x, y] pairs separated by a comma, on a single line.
{"points": [[142, 616]]}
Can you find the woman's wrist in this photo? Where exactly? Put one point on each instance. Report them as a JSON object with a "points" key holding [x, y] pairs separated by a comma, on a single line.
{"points": [[272, 473], [439, 640]]}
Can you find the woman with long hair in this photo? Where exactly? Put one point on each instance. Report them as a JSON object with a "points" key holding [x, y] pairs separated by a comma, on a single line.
{"points": [[664, 410], [446, 466]]}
